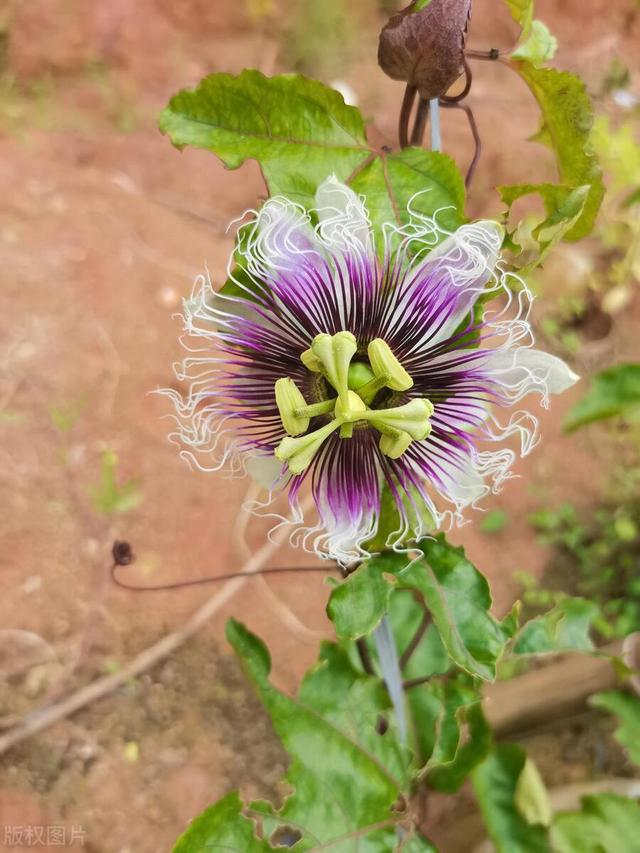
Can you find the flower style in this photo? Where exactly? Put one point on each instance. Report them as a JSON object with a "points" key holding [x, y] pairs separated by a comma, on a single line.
{"points": [[369, 372]]}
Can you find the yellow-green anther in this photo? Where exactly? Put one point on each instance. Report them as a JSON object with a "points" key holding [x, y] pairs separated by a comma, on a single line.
{"points": [[311, 361], [413, 418], [299, 452], [349, 416], [384, 363], [291, 405], [394, 443], [360, 374], [335, 353]]}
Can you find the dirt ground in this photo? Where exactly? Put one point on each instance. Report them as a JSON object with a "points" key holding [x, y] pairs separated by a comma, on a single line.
{"points": [[103, 226]]}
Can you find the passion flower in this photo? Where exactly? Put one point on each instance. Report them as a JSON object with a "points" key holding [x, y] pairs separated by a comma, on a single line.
{"points": [[358, 371]]}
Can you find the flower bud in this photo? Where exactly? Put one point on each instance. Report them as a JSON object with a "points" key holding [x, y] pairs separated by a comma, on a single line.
{"points": [[424, 45]]}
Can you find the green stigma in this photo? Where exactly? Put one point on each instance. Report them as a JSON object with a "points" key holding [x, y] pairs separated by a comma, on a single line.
{"points": [[355, 384]]}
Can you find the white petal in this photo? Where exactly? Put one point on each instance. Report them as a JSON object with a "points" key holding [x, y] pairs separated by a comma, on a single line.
{"points": [[282, 233], [525, 370], [347, 92], [480, 241], [462, 484], [344, 221], [264, 470], [469, 257]]}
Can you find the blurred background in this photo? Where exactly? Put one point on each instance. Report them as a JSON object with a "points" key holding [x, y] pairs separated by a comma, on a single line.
{"points": [[103, 226]]}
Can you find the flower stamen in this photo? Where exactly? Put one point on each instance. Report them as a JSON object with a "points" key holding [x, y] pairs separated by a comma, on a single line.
{"points": [[385, 365], [393, 443], [412, 418], [291, 406], [299, 452], [331, 355]]}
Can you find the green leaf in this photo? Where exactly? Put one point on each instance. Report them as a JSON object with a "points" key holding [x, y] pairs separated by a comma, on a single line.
{"points": [[531, 797], [353, 703], [357, 605], [473, 743], [495, 782], [345, 779], [297, 129], [607, 823], [429, 180], [406, 613], [565, 628], [439, 710], [221, 827], [627, 708], [534, 238], [613, 393], [458, 597], [539, 47], [300, 132], [522, 13], [567, 120], [109, 498]]}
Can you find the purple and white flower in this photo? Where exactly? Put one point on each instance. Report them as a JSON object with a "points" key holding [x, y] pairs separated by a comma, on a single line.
{"points": [[354, 370]]}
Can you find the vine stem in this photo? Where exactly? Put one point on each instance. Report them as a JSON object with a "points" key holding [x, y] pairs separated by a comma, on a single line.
{"points": [[42, 718]]}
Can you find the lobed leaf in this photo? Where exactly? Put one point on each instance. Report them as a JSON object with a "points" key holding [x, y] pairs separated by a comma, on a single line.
{"points": [[613, 393], [357, 605], [458, 597], [345, 779], [627, 709], [300, 132], [455, 593], [538, 47], [532, 241], [427, 181], [565, 628], [495, 782], [222, 827], [567, 119], [297, 129], [607, 823]]}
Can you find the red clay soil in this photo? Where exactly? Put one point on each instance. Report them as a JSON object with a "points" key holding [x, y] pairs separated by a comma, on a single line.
{"points": [[101, 234]]}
